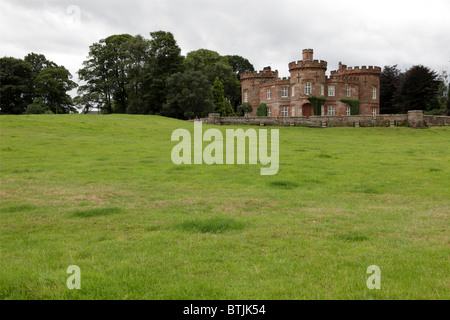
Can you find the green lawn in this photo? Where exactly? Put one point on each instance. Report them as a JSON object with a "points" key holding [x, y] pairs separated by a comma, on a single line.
{"points": [[101, 192]]}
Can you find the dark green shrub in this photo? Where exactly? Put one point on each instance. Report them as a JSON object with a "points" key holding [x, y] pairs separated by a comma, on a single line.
{"points": [[244, 109], [262, 110], [37, 107]]}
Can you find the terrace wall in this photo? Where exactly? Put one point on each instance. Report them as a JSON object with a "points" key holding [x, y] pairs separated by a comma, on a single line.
{"points": [[414, 119]]}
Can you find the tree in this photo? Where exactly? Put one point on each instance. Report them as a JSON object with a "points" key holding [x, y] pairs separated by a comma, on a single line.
{"points": [[37, 107], [137, 53], [239, 65], [389, 85], [15, 85], [213, 65], [189, 95], [117, 56], [244, 109], [105, 74], [448, 101], [417, 89], [52, 85], [38, 62], [222, 105], [439, 103], [128, 74], [262, 110], [87, 102], [164, 60]]}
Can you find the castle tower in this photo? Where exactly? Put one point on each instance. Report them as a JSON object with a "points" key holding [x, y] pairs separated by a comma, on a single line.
{"points": [[307, 79], [251, 82]]}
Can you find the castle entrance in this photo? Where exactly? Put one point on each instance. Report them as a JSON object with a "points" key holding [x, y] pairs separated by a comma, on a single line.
{"points": [[307, 110]]}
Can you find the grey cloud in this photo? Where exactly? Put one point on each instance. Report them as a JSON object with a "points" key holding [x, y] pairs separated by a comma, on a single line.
{"points": [[265, 32]]}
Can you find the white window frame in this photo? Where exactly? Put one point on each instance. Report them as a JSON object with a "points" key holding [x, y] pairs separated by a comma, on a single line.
{"points": [[331, 110], [374, 112], [374, 93], [348, 111], [308, 88], [269, 112], [245, 96], [322, 90], [284, 112], [293, 91], [284, 92], [331, 90], [269, 94], [348, 91]]}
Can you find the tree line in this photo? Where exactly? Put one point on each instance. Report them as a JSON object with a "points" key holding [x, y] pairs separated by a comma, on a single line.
{"points": [[418, 88], [34, 85], [135, 75], [131, 74]]}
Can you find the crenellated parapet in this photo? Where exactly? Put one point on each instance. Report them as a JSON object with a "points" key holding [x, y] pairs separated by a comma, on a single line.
{"points": [[344, 70], [307, 64], [288, 97], [266, 73], [279, 81], [342, 78]]}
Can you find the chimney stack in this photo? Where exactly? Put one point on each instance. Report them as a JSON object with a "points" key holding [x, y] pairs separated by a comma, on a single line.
{"points": [[308, 54]]}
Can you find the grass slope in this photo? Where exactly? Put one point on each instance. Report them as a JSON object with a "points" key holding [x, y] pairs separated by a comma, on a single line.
{"points": [[102, 193]]}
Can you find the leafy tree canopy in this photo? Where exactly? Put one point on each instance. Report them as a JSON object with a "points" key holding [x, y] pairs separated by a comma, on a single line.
{"points": [[52, 85], [389, 85], [15, 85], [213, 65], [417, 89], [239, 65], [189, 96]]}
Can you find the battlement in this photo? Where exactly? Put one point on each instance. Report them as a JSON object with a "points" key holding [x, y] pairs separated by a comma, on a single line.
{"points": [[302, 64], [344, 70], [342, 78], [265, 73], [307, 73], [281, 81]]}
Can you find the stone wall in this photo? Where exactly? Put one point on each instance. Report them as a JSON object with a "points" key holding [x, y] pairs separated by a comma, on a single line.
{"points": [[436, 121], [414, 119]]}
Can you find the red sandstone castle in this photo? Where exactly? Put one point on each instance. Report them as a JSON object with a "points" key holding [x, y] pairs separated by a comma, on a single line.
{"points": [[288, 97]]}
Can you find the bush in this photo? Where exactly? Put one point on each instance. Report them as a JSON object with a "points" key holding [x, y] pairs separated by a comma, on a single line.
{"points": [[34, 109], [37, 107], [262, 110], [244, 109]]}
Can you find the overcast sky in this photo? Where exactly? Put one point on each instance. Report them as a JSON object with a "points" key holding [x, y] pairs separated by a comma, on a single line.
{"points": [[356, 32]]}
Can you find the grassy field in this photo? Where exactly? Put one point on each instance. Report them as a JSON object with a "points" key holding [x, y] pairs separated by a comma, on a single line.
{"points": [[101, 192]]}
